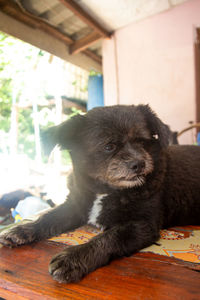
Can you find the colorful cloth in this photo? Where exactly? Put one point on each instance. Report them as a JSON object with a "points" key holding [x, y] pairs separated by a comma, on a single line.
{"points": [[178, 242]]}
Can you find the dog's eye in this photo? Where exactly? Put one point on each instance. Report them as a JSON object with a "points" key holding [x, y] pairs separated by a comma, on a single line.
{"points": [[109, 147]]}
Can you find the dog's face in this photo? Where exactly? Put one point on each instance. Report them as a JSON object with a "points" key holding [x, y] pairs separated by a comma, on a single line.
{"points": [[115, 145]]}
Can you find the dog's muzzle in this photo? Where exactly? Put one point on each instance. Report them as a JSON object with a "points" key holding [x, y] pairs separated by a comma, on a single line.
{"points": [[127, 174]]}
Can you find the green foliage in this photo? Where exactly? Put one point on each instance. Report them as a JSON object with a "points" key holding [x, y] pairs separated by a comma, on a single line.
{"points": [[94, 73], [20, 84], [75, 111], [26, 142], [14, 65], [5, 103], [65, 158], [5, 87]]}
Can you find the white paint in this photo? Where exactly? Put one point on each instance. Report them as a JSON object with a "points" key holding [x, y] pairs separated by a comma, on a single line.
{"points": [[96, 210], [116, 14]]}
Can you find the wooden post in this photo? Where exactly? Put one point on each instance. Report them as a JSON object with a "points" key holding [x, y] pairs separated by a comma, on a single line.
{"points": [[197, 73]]}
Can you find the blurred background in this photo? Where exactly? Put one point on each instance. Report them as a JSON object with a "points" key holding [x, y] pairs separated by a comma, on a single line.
{"points": [[37, 90]]}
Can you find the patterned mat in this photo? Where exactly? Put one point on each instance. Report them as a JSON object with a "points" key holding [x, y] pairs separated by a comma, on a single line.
{"points": [[79, 236], [178, 242]]}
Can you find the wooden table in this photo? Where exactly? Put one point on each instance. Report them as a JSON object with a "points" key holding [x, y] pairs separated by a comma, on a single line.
{"points": [[24, 275]]}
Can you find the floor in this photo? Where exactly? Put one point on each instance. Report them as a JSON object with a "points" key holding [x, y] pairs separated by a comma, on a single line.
{"points": [[145, 276]]}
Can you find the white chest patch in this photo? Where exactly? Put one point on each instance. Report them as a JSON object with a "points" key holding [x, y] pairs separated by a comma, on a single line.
{"points": [[96, 210]]}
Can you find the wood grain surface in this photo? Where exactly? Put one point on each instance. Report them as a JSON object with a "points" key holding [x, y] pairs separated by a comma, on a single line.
{"points": [[24, 275]]}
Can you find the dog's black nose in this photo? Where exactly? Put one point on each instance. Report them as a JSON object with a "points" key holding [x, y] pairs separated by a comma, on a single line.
{"points": [[137, 166]]}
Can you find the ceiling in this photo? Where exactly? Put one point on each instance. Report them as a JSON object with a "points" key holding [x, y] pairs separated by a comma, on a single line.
{"points": [[81, 24], [115, 14]]}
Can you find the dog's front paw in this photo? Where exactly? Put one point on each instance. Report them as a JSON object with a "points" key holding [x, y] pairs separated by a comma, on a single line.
{"points": [[18, 235], [69, 265]]}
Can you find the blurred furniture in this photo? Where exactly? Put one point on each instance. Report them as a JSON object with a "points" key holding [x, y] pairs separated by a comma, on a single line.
{"points": [[195, 125]]}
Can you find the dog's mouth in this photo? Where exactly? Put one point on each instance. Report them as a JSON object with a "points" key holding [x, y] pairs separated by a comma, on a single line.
{"points": [[133, 178], [128, 182]]}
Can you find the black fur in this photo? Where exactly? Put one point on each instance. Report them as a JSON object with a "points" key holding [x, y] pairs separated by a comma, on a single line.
{"points": [[121, 156]]}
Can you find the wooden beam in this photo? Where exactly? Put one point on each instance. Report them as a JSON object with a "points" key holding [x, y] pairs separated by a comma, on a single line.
{"points": [[13, 10], [45, 41], [94, 56], [85, 17], [85, 42]]}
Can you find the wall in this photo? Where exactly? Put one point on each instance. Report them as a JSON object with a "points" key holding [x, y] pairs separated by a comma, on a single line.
{"points": [[152, 61]]}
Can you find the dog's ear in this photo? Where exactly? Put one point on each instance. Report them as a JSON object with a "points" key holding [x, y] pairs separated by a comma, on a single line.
{"points": [[64, 135], [157, 127]]}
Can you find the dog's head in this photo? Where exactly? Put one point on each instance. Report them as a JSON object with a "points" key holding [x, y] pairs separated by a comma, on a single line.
{"points": [[115, 145]]}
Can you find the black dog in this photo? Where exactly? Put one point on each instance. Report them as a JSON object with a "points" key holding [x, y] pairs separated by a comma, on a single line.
{"points": [[126, 181]]}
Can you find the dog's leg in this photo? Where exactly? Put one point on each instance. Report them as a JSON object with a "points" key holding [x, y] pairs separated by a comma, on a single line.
{"points": [[74, 262], [53, 222]]}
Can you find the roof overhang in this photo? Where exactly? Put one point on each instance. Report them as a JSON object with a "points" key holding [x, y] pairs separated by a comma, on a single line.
{"points": [[73, 29], [60, 27]]}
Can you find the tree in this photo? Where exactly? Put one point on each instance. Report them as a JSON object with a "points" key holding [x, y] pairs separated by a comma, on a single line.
{"points": [[27, 76], [14, 68]]}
